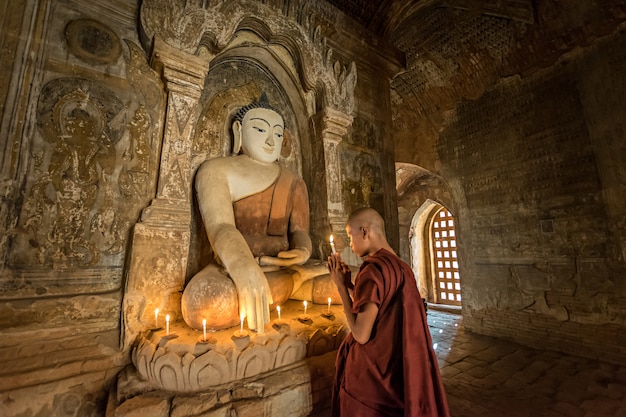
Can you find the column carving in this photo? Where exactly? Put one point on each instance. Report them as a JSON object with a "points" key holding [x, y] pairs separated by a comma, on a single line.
{"points": [[183, 76], [332, 126], [160, 247]]}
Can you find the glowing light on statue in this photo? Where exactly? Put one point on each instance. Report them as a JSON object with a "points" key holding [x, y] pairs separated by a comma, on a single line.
{"points": [[332, 245]]}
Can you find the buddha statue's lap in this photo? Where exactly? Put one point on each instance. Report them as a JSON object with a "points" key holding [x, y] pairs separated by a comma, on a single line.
{"points": [[256, 215]]}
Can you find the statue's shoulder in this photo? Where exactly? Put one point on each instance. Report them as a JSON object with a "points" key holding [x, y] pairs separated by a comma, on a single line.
{"points": [[286, 170], [218, 166]]}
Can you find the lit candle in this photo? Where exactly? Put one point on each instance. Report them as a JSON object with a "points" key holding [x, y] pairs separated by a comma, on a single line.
{"points": [[329, 300], [305, 304], [156, 318], [167, 325], [243, 316], [278, 310], [332, 245], [204, 329]]}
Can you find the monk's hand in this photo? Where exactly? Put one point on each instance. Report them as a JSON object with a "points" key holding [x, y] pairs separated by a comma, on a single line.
{"points": [[339, 272], [296, 256]]}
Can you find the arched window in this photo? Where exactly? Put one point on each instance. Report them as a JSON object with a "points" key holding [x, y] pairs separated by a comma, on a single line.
{"points": [[446, 277]]}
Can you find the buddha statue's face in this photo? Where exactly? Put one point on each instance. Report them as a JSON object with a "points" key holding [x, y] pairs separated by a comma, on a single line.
{"points": [[262, 134]]}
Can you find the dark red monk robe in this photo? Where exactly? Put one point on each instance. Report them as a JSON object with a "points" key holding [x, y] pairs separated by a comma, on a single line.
{"points": [[396, 372]]}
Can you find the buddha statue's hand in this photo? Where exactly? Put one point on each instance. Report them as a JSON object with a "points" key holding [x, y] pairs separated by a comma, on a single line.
{"points": [[290, 257], [254, 300]]}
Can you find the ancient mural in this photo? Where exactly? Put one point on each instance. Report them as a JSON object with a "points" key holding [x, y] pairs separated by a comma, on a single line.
{"points": [[91, 164]]}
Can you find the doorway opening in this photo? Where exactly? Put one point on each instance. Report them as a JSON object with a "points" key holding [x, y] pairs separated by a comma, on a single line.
{"points": [[445, 261], [433, 242]]}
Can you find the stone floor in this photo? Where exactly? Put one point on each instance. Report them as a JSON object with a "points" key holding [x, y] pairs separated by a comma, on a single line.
{"points": [[487, 377]]}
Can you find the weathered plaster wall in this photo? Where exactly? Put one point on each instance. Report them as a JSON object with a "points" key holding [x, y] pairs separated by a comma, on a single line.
{"points": [[535, 166], [79, 123], [367, 150], [84, 116]]}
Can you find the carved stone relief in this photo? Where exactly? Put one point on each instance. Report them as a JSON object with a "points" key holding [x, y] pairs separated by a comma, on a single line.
{"points": [[91, 170], [63, 217], [202, 28], [93, 42], [363, 175]]}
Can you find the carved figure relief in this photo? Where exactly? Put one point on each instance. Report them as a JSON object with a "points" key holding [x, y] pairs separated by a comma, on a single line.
{"points": [[71, 214], [92, 42], [364, 178], [75, 119], [363, 134]]}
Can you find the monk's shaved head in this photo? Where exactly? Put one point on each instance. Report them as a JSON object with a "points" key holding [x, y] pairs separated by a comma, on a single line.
{"points": [[368, 217]]}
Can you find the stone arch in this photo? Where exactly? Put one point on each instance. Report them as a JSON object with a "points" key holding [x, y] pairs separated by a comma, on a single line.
{"points": [[209, 29], [420, 193], [420, 262], [184, 40], [237, 76]]}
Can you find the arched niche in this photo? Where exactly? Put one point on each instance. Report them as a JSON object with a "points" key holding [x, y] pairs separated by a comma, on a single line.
{"points": [[236, 77], [186, 42]]}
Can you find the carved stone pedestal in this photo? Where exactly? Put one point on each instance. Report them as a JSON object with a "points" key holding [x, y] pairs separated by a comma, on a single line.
{"points": [[285, 371]]}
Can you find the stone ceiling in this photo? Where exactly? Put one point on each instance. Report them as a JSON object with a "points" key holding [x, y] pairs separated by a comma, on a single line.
{"points": [[456, 49]]}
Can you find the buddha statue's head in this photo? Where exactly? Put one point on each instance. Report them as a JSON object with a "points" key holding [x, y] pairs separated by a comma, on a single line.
{"points": [[258, 132]]}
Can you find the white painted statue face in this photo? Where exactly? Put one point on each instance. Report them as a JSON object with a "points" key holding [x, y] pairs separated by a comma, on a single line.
{"points": [[262, 134]]}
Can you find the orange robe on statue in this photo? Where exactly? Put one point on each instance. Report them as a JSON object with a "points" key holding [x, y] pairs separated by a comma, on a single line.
{"points": [[396, 372], [268, 219]]}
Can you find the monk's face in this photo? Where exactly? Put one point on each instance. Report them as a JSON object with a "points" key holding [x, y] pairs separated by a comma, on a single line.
{"points": [[358, 242], [262, 134]]}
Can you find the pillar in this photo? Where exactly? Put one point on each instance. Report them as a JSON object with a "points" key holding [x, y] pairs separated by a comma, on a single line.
{"points": [[160, 242]]}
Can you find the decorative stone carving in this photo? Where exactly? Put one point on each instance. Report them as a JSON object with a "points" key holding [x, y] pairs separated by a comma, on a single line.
{"points": [[160, 249], [196, 27], [181, 362], [93, 42], [69, 214], [333, 127]]}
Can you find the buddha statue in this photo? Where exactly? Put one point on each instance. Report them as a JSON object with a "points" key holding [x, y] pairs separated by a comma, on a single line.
{"points": [[256, 216]]}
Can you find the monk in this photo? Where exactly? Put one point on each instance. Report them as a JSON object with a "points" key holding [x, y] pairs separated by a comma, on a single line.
{"points": [[256, 216], [386, 366]]}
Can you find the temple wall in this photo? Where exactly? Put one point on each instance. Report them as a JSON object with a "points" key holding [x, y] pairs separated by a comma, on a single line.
{"points": [[84, 112], [536, 166], [78, 127]]}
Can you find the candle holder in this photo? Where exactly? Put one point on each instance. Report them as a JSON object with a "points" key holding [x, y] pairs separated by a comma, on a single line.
{"points": [[328, 314], [281, 326], [241, 338], [305, 318], [166, 338], [208, 340], [241, 333]]}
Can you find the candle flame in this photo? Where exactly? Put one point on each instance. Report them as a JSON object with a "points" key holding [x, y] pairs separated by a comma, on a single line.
{"points": [[204, 322], [331, 239], [167, 318]]}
